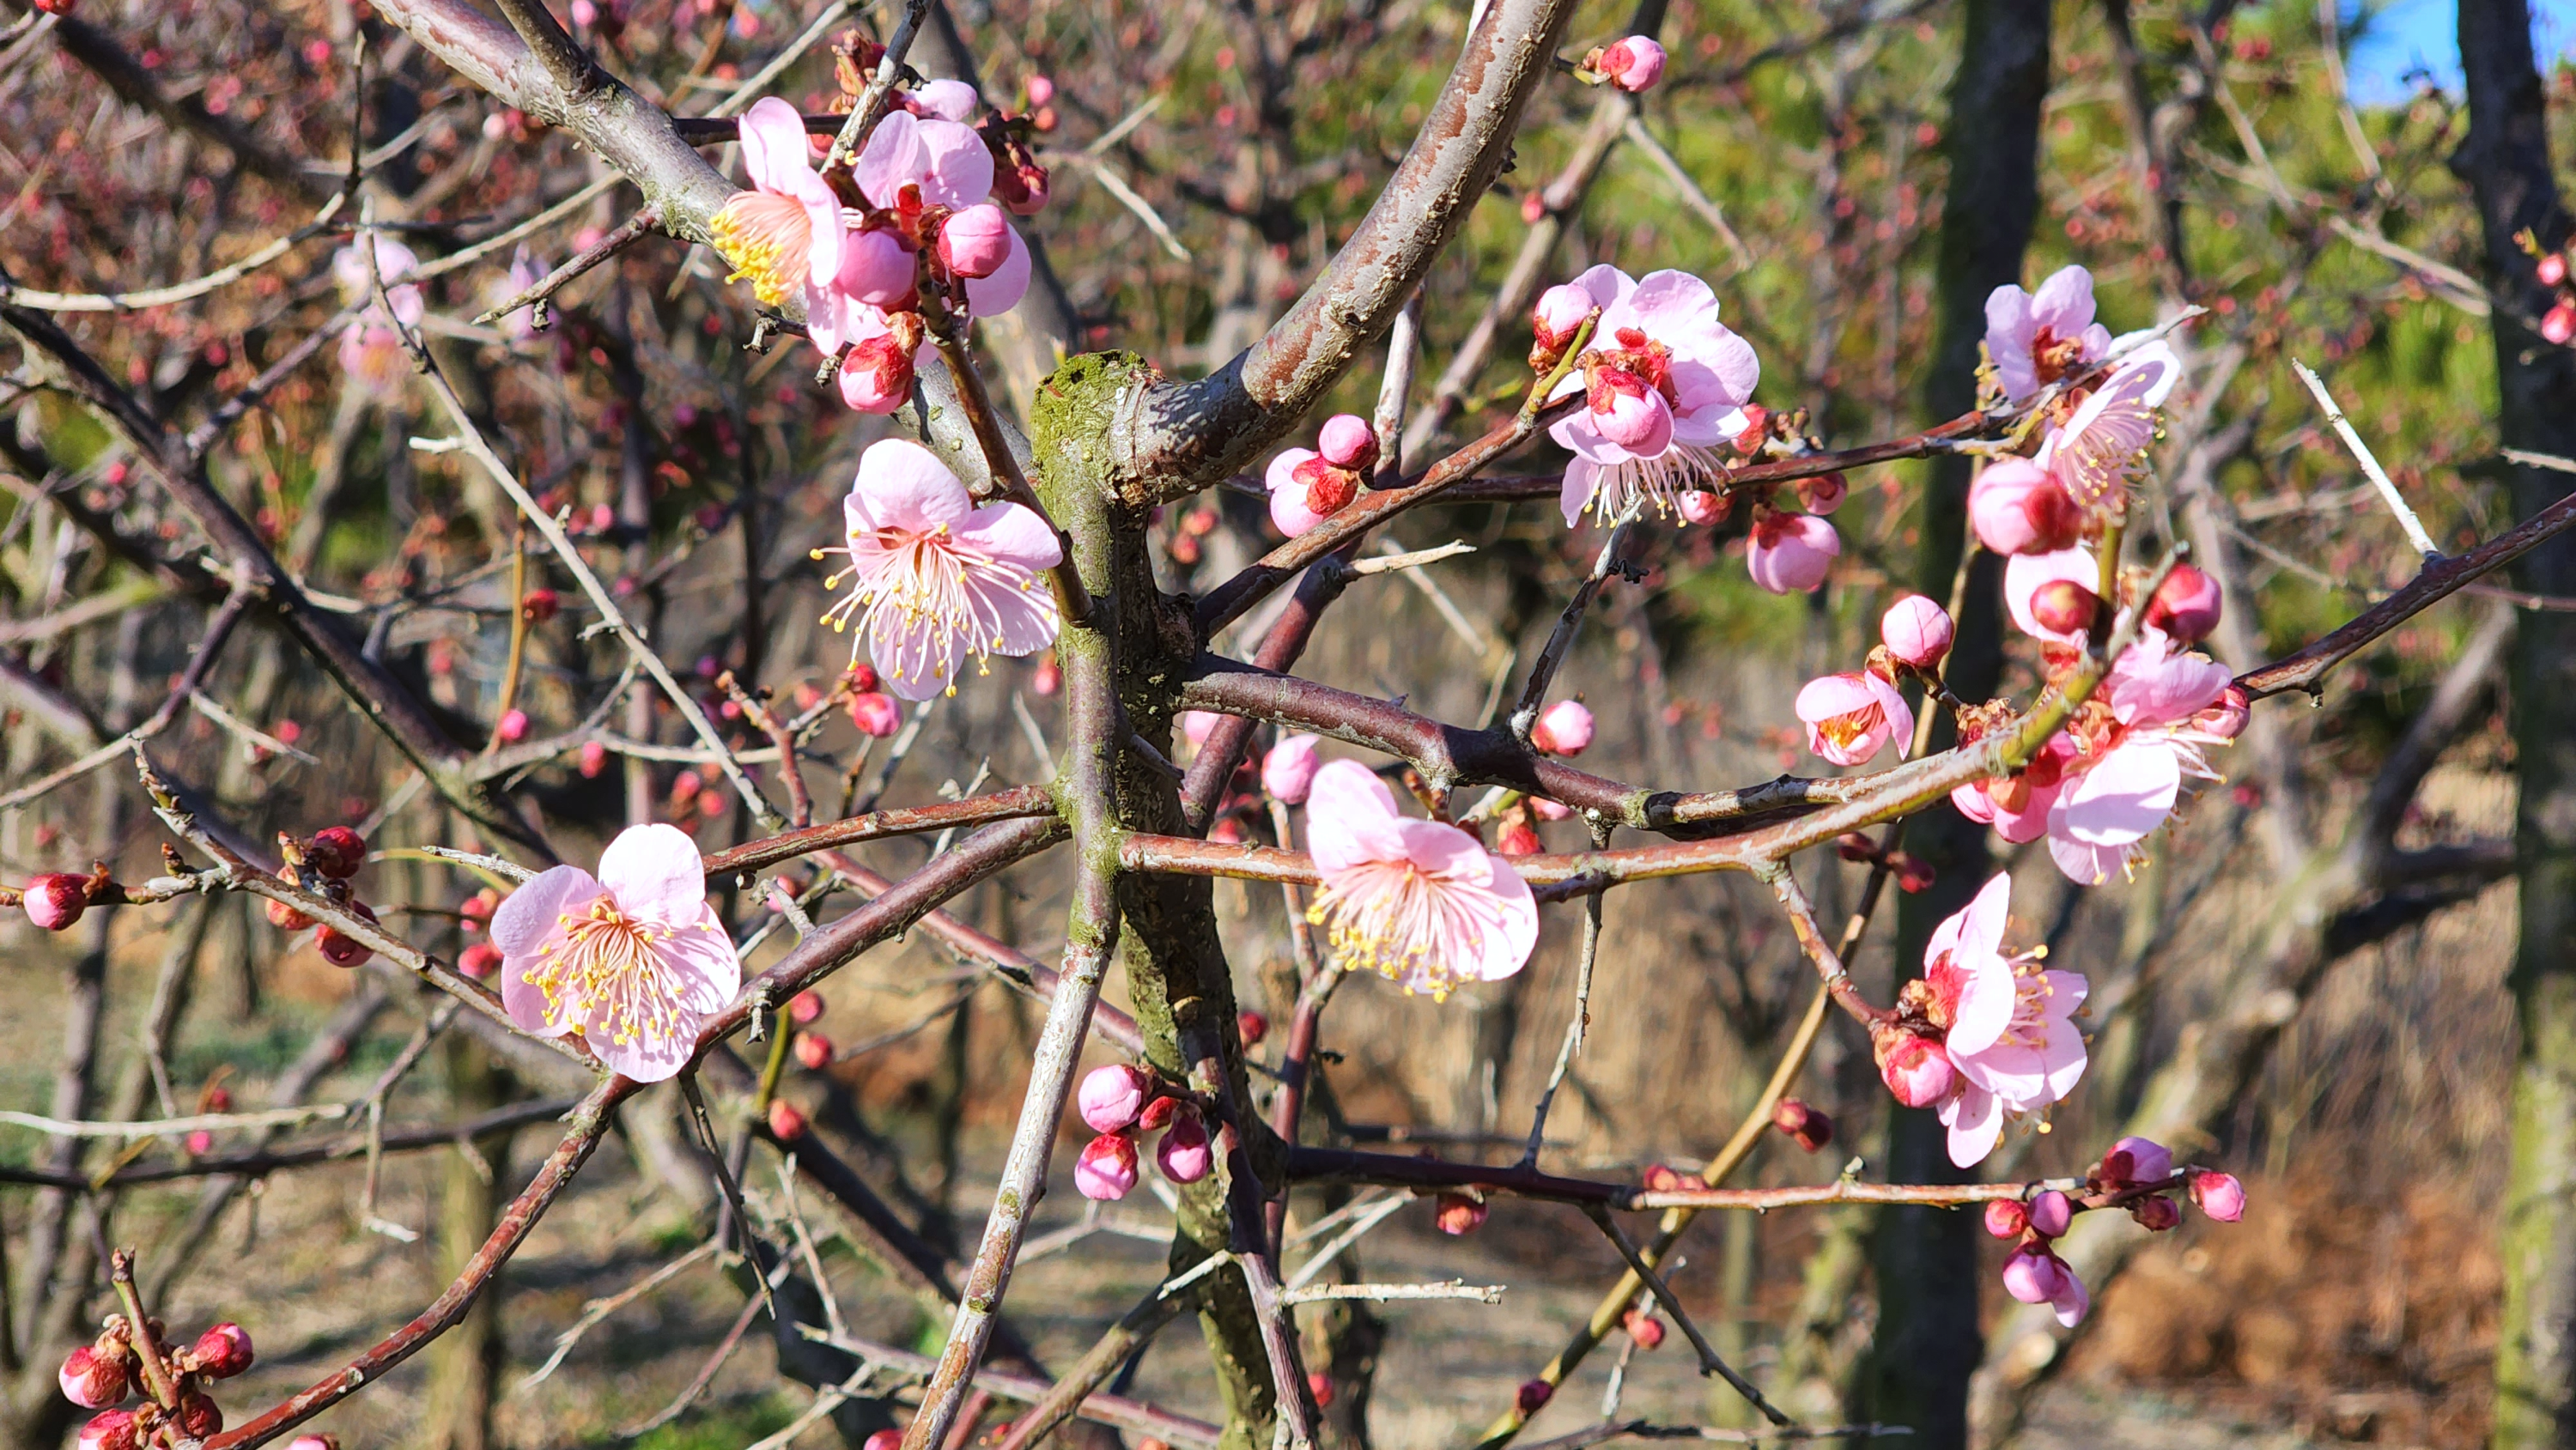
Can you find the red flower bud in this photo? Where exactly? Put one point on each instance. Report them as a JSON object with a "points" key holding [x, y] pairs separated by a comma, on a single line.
{"points": [[786, 1120], [1320, 1385], [2006, 1218], [1854, 846], [197, 1415], [813, 1051], [1518, 839], [2158, 1213], [1812, 1128], [283, 916], [1823, 494], [115, 1429], [1660, 1179], [1458, 1214], [219, 1353], [2553, 269], [1158, 1114], [2064, 606], [1533, 1396], [56, 899], [1251, 1026], [346, 951], [2186, 605], [480, 961], [1643, 1327], [94, 1380], [336, 851], [540, 605]]}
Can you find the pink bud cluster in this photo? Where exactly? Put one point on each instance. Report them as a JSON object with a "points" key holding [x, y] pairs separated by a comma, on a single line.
{"points": [[103, 1374], [1119, 1101], [1309, 485], [2136, 1174], [325, 863], [2559, 323]]}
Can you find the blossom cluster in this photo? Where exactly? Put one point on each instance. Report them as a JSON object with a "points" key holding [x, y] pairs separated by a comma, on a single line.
{"points": [[920, 219], [2137, 1174], [103, 1374], [1119, 1102]]}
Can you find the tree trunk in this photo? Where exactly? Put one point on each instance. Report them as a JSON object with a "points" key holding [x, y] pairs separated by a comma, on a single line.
{"points": [[2505, 160], [1925, 1259], [465, 1363]]}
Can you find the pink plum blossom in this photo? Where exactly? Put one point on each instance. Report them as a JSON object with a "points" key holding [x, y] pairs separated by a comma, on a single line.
{"points": [[1916, 631], [2219, 1195], [1851, 716], [1107, 1168], [784, 234], [1347, 441], [1664, 382], [2026, 574], [1791, 553], [2103, 446], [1288, 771], [1633, 64], [1564, 729], [949, 100], [1185, 1154], [912, 162], [937, 578], [1420, 902], [2009, 1030], [1289, 482], [2036, 1276], [2037, 339], [633, 959], [2138, 738], [371, 349], [2017, 507]]}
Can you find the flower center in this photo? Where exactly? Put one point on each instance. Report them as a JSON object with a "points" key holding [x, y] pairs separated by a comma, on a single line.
{"points": [[2051, 356], [1395, 919], [943, 591], [604, 973], [1852, 725], [769, 238]]}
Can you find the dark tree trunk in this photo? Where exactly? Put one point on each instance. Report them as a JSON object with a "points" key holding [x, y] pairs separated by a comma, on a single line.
{"points": [[1925, 1259], [2505, 161]]}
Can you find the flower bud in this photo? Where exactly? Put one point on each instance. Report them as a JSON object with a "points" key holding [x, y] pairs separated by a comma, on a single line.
{"points": [[813, 1051], [1823, 494], [1533, 1396], [2219, 1195], [1112, 1097], [92, 1380], [1185, 1155], [1518, 839], [1328, 489], [863, 680], [1699, 506], [1561, 312], [56, 899], [2145, 1161], [786, 1120], [283, 916], [199, 1143], [1565, 728], [1660, 1179], [1251, 1026], [512, 727], [336, 852], [111, 1431], [2050, 1214], [1159, 1113], [1809, 1126], [1633, 64], [197, 1416], [876, 374], [1047, 678], [1914, 875], [2064, 606], [949, 100], [479, 961], [2553, 269], [1348, 442], [332, 1442], [220, 1352], [2034, 1276], [1459, 1214], [539, 605], [2016, 508], [875, 714], [1107, 1167], [1916, 631], [2006, 1218], [2158, 1214], [1915, 1069], [1854, 846], [2186, 605], [2560, 323], [2226, 717], [884, 1440], [975, 242], [1288, 771], [1319, 1385], [346, 951], [594, 759], [1629, 411], [1643, 1327]]}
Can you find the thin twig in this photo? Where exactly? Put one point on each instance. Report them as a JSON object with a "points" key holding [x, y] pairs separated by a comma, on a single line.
{"points": [[1709, 1361], [2406, 519]]}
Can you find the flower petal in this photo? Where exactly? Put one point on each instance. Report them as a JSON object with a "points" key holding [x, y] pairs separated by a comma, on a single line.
{"points": [[1582, 476], [2064, 303], [1001, 290], [527, 917], [902, 485], [2123, 798], [1976, 1123], [656, 873], [1350, 818], [2025, 573], [773, 145]]}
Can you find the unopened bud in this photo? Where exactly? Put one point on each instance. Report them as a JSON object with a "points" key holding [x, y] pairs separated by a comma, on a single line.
{"points": [[2063, 606], [280, 914], [336, 851], [2560, 323], [197, 1416], [1518, 839], [876, 715], [1112, 1097], [1633, 64], [346, 951], [813, 1051], [1643, 1327], [2051, 1213], [1565, 729], [219, 1353], [332, 1442], [1660, 1179], [1809, 1126], [975, 242], [1347, 441], [1915, 1068], [2158, 1214], [2219, 1195], [786, 1120], [1107, 1168], [1916, 631], [1185, 1155], [1699, 506], [1533, 1396], [1561, 312], [56, 899], [2186, 605], [2006, 1218], [1459, 1214], [540, 605], [1914, 875], [479, 961], [112, 1431], [94, 1380], [1159, 1113], [1251, 1026], [2553, 269], [1824, 493]]}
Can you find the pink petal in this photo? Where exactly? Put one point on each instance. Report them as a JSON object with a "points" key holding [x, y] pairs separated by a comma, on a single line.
{"points": [[2064, 303], [1441, 849], [1666, 306], [960, 165], [1001, 290], [875, 269], [1899, 716], [2085, 865], [1988, 995], [656, 873], [1982, 922], [1513, 933], [2149, 686], [2025, 573], [704, 961], [893, 156], [2125, 796], [527, 917], [1976, 1123], [1014, 534], [1582, 476], [1607, 284], [902, 485], [644, 1057], [1350, 818], [773, 144], [2008, 336], [1715, 379]]}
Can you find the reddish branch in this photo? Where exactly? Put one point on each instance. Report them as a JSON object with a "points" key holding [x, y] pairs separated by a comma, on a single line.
{"points": [[1002, 805]]}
